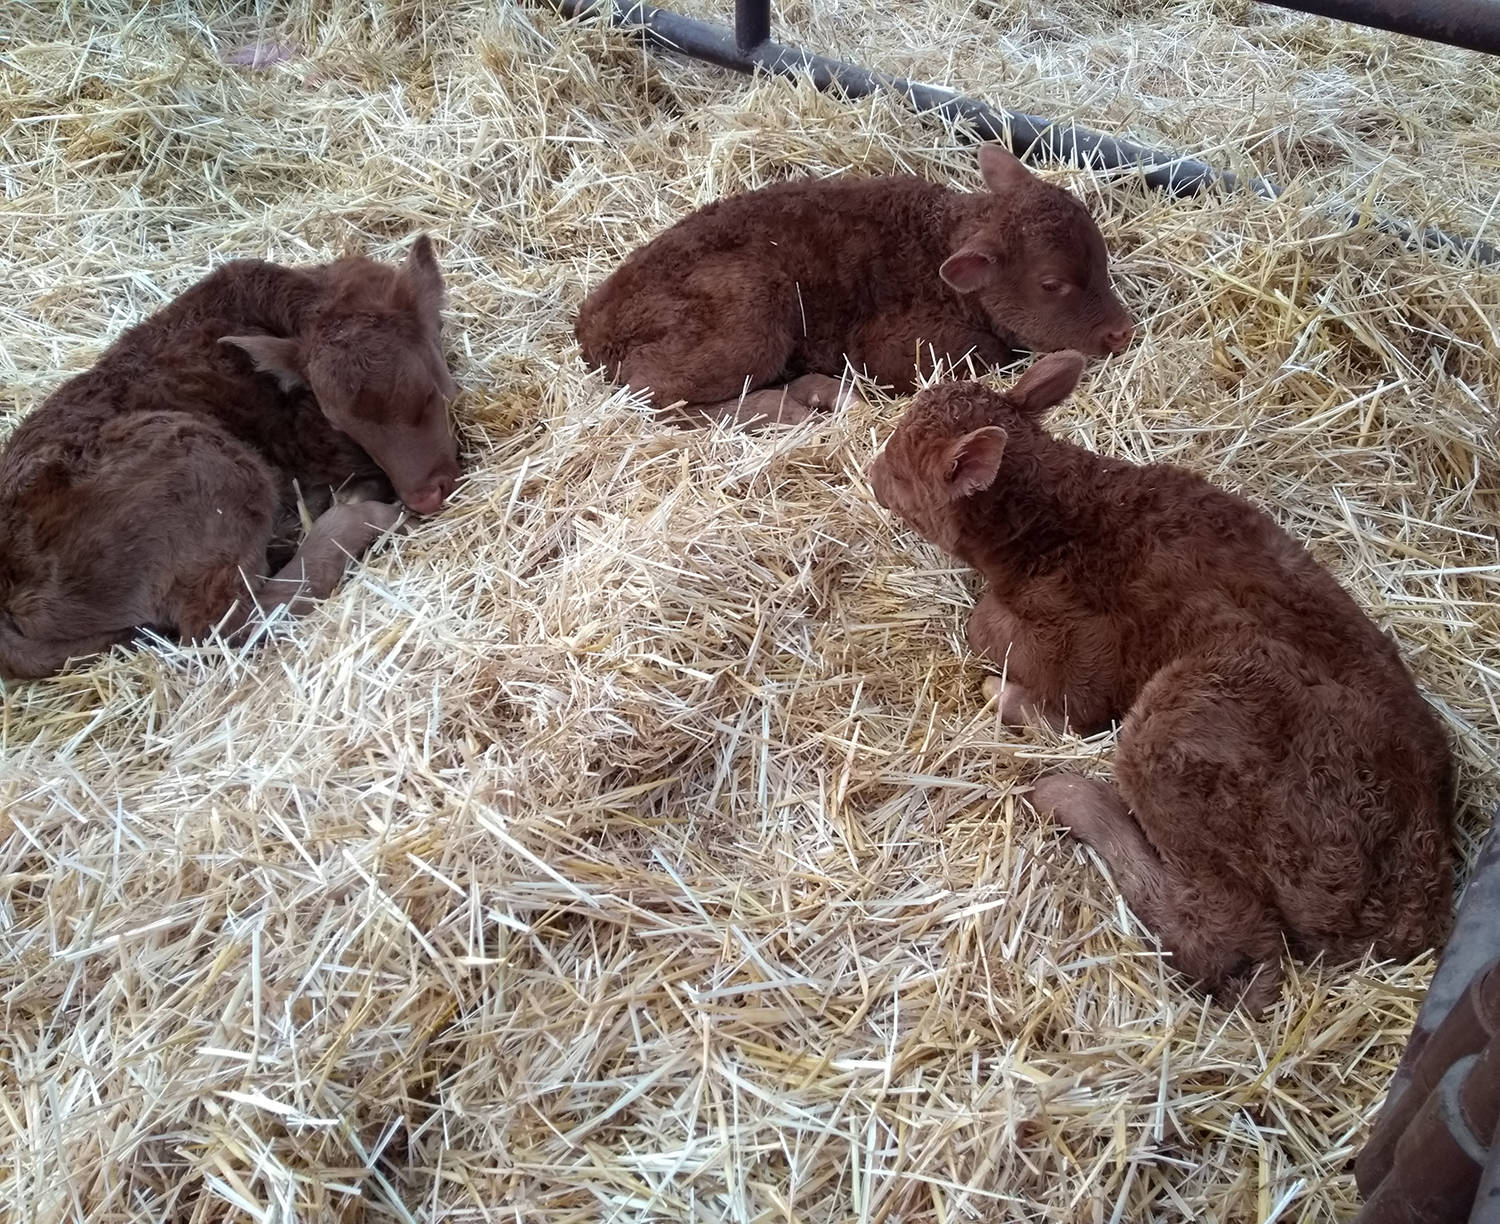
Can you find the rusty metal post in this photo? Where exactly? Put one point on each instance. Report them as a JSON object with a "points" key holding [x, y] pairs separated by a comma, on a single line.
{"points": [[1474, 24], [1474, 941], [1442, 1153], [1432, 1155], [1472, 944], [1441, 1156]]}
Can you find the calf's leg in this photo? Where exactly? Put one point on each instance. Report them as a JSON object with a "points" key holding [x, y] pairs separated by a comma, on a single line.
{"points": [[1058, 669], [896, 349], [784, 405], [717, 347], [1218, 932], [339, 535], [821, 391], [770, 406], [1201, 752], [995, 632], [25, 658]]}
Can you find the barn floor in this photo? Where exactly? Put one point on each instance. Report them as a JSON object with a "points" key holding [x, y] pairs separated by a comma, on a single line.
{"points": [[631, 842]]}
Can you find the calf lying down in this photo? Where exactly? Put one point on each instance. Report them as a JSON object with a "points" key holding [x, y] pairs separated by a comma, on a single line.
{"points": [[158, 489], [769, 292], [1279, 780]]}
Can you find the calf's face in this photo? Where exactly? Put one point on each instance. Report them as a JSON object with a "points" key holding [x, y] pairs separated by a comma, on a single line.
{"points": [[373, 359], [950, 445], [1037, 264]]}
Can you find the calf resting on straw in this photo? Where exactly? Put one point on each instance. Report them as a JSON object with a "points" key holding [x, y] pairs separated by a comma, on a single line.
{"points": [[764, 295], [1279, 779], [158, 489]]}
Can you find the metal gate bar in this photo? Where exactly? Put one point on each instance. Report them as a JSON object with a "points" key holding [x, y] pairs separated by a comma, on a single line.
{"points": [[752, 23], [1474, 24], [748, 48]]}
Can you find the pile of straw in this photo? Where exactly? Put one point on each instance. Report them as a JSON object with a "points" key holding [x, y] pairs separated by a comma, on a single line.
{"points": [[631, 842]]}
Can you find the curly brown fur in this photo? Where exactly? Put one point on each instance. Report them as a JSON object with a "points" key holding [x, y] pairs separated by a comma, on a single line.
{"points": [[890, 272], [1279, 779], [154, 490]]}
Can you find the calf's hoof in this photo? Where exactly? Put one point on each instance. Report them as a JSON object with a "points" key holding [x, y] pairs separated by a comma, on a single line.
{"points": [[1015, 704], [770, 406], [790, 412], [820, 391], [365, 489]]}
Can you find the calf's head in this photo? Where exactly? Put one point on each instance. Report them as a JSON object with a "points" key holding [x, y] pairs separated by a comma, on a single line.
{"points": [[1033, 258], [950, 445], [371, 354]]}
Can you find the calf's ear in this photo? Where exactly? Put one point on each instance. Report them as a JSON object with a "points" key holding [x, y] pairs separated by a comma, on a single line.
{"points": [[967, 269], [422, 276], [272, 355], [1002, 169], [1050, 380], [974, 461]]}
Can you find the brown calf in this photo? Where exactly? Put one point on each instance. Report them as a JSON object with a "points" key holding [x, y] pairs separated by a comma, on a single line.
{"points": [[157, 489], [1279, 779], [890, 272]]}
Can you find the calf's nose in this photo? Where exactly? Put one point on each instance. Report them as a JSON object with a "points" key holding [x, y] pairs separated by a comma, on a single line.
{"points": [[1117, 339], [429, 498]]}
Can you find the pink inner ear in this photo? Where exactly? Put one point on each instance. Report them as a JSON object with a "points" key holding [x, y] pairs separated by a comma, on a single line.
{"points": [[272, 355], [976, 460], [966, 271]]}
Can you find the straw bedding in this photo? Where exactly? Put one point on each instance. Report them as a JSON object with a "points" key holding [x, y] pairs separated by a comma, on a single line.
{"points": [[631, 842]]}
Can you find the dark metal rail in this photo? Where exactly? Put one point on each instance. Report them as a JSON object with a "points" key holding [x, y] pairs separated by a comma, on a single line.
{"points": [[749, 48], [1474, 24]]}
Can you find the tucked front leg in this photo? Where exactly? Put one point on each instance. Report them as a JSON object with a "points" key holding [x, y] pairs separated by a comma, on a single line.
{"points": [[821, 391], [770, 406], [1058, 668], [1021, 688], [23, 658], [717, 347], [340, 534], [894, 349], [784, 405]]}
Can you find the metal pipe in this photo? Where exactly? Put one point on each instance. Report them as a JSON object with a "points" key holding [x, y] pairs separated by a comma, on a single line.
{"points": [[1474, 24], [752, 23], [1063, 141], [1021, 132]]}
